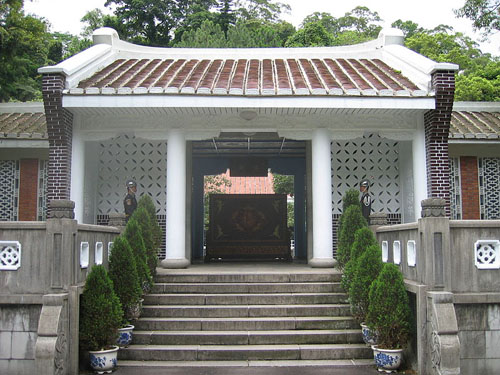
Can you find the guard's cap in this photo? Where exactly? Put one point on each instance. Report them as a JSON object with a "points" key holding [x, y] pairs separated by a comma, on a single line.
{"points": [[131, 183], [365, 183]]}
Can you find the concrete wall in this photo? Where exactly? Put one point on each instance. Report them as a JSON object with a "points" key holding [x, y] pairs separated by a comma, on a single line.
{"points": [[456, 298], [39, 301]]}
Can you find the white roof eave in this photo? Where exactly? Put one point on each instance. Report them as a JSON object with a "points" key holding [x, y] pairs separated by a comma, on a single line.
{"points": [[205, 101]]}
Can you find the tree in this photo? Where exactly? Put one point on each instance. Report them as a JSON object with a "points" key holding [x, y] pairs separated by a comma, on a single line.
{"points": [[352, 220], [409, 28], [24, 47], [133, 234], [311, 35], [260, 9], [485, 14], [283, 184], [208, 35]]}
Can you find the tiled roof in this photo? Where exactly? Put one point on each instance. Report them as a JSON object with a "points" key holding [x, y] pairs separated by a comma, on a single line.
{"points": [[23, 125], [475, 125], [249, 77]]}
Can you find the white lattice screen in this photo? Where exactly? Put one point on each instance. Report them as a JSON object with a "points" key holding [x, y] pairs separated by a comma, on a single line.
{"points": [[489, 188], [369, 157], [455, 190], [127, 157], [9, 190]]}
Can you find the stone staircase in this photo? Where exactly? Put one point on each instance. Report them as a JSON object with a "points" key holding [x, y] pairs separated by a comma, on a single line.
{"points": [[234, 318]]}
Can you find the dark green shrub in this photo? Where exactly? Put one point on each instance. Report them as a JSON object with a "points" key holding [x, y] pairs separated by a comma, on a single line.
{"points": [[352, 220], [363, 238], [144, 220], [100, 311], [148, 204], [133, 234], [123, 273], [366, 270], [350, 198], [389, 311]]}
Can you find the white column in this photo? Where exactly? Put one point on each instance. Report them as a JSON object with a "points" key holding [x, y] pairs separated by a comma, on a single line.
{"points": [[321, 200], [176, 201], [419, 169], [78, 175]]}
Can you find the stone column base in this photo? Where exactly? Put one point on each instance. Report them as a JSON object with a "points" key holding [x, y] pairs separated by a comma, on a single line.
{"points": [[175, 263], [322, 262]]}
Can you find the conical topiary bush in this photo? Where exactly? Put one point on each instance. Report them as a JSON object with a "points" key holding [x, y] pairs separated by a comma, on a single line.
{"points": [[100, 311], [389, 311], [363, 238], [123, 273], [366, 270], [352, 220], [149, 205], [144, 220], [133, 234]]}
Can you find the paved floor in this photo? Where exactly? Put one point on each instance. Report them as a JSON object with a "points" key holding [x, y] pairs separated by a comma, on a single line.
{"points": [[316, 370]]}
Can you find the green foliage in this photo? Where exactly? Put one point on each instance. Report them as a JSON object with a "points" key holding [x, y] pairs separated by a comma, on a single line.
{"points": [[283, 184], [473, 88], [123, 273], [312, 34], [150, 235], [352, 220], [350, 198], [290, 218], [266, 10], [133, 234], [389, 311], [24, 47], [363, 238], [100, 311], [208, 35], [409, 28], [485, 14], [366, 270]]}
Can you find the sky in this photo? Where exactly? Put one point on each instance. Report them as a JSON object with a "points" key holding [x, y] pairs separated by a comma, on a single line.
{"points": [[65, 15]]}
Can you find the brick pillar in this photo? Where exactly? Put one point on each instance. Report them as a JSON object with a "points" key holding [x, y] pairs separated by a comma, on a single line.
{"points": [[60, 133], [437, 128], [28, 189], [469, 180]]}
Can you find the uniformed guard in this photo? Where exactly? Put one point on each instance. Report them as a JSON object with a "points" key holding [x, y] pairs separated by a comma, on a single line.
{"points": [[130, 203], [366, 199]]}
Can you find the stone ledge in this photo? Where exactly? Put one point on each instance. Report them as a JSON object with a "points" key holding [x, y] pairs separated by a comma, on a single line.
{"points": [[21, 299], [473, 298]]}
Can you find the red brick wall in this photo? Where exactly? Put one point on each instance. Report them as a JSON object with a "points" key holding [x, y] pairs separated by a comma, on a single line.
{"points": [[60, 133], [28, 189], [469, 179], [437, 127]]}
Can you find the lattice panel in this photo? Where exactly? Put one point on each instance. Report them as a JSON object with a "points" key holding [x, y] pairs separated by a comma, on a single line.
{"points": [[455, 189], [489, 188], [43, 176], [127, 157], [369, 157], [9, 190]]}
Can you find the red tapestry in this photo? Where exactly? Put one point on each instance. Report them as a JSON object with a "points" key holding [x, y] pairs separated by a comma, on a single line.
{"points": [[243, 226]]}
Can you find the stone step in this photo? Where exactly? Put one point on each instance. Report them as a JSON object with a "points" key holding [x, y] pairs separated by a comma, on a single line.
{"points": [[244, 352], [247, 337], [226, 311], [248, 278], [241, 288], [246, 323], [342, 364], [244, 299]]}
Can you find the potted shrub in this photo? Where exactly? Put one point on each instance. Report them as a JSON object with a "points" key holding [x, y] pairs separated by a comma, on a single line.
{"points": [[352, 220], [100, 317], [150, 241], [363, 238], [133, 234], [148, 204], [389, 315], [123, 273], [366, 270]]}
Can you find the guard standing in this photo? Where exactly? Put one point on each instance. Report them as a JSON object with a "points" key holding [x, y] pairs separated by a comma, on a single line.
{"points": [[130, 203], [366, 199]]}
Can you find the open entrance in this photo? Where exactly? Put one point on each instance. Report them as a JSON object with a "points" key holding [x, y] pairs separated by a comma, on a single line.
{"points": [[248, 198]]}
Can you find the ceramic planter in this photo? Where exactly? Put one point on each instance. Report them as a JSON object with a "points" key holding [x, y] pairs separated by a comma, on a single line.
{"points": [[387, 360], [103, 361], [369, 336], [125, 336]]}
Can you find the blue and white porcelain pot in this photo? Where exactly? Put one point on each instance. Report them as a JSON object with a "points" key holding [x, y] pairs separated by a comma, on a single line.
{"points": [[369, 336], [387, 360], [104, 361], [125, 336]]}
